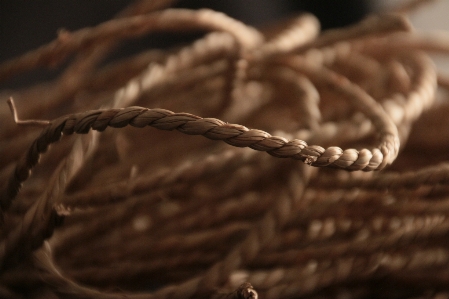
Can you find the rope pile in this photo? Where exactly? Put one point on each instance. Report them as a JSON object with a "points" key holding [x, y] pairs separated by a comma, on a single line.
{"points": [[147, 210]]}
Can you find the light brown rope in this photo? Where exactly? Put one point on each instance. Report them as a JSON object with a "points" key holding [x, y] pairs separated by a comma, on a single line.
{"points": [[144, 213]]}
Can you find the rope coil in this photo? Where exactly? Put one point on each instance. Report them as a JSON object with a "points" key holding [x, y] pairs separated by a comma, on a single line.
{"points": [[158, 214]]}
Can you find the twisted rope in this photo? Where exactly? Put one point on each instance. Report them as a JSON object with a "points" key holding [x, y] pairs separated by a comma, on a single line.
{"points": [[198, 219], [215, 129]]}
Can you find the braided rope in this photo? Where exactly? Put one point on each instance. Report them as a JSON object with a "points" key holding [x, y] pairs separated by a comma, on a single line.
{"points": [[198, 219], [215, 129]]}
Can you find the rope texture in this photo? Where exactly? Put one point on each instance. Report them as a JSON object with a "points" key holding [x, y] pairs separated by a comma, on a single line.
{"points": [[153, 214]]}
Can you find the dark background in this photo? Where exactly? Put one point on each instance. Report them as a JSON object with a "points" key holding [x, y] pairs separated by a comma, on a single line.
{"points": [[26, 25]]}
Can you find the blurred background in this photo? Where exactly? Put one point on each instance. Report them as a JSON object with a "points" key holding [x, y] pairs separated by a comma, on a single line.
{"points": [[26, 25]]}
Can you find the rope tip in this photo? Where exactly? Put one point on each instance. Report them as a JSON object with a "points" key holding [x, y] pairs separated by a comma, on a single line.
{"points": [[12, 107], [246, 291], [30, 122]]}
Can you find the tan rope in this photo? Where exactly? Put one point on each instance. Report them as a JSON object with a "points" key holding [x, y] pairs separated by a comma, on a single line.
{"points": [[141, 213]]}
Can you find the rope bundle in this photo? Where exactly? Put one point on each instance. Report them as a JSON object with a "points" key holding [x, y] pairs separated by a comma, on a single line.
{"points": [[141, 212]]}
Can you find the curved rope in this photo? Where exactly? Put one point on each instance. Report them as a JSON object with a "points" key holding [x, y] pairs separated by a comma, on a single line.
{"points": [[212, 128], [226, 216]]}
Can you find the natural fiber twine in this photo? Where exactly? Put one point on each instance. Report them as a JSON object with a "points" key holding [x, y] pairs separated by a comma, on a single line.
{"points": [[138, 211]]}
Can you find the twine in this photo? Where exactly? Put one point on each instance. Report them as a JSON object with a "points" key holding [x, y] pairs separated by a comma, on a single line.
{"points": [[125, 208]]}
